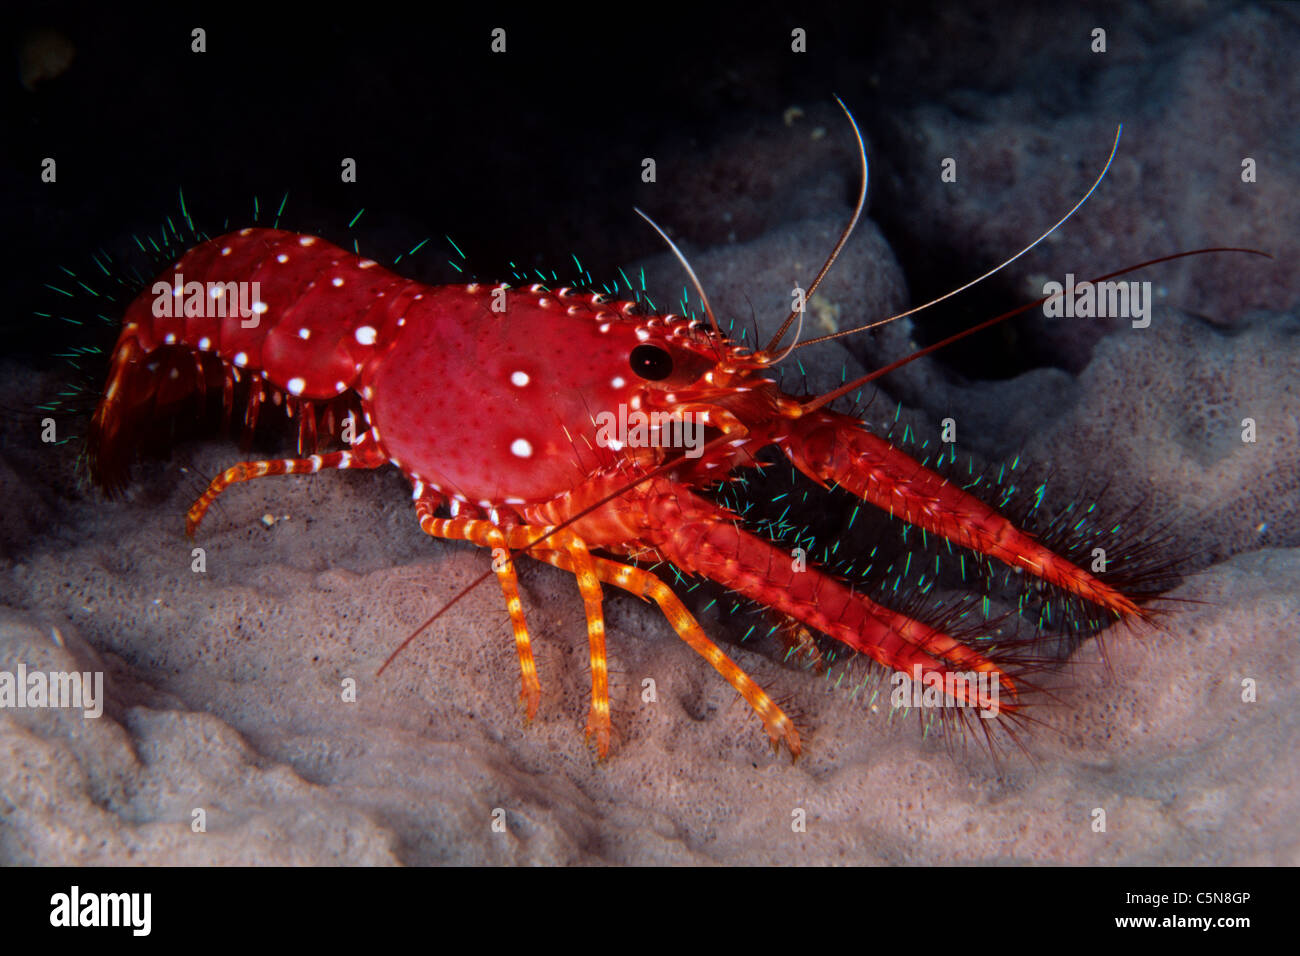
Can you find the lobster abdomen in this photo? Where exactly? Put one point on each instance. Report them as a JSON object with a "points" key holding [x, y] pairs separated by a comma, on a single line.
{"points": [[288, 316]]}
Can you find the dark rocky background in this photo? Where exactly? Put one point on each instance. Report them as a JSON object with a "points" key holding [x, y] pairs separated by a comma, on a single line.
{"points": [[223, 686]]}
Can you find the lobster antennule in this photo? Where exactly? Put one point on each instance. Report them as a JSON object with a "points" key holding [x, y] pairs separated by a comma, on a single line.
{"points": [[829, 447], [1119, 130], [850, 387], [695, 280], [835, 252]]}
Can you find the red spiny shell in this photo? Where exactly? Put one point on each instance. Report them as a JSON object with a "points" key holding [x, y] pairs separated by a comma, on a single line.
{"points": [[498, 406], [315, 299], [486, 393]]}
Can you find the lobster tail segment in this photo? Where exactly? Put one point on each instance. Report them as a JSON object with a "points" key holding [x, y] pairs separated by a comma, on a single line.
{"points": [[150, 395], [115, 428]]}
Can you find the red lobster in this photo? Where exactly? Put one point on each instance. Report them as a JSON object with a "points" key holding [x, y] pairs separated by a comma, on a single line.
{"points": [[337, 338]]}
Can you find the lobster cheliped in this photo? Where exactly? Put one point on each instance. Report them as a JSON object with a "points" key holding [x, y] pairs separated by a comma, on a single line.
{"points": [[512, 457]]}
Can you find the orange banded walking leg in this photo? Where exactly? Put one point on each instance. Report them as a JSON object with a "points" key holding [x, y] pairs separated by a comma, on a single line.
{"points": [[365, 454], [486, 534], [646, 585], [584, 570]]}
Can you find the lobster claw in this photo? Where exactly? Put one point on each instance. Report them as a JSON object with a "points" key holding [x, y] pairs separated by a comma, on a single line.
{"points": [[832, 448], [700, 536]]}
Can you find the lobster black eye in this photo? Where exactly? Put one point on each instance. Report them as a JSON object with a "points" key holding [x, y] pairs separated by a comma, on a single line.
{"points": [[651, 362]]}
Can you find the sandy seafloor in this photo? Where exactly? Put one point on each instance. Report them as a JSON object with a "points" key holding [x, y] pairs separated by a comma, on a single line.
{"points": [[224, 687]]}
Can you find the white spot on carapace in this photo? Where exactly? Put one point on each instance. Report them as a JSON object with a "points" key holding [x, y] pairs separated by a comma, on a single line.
{"points": [[367, 264], [519, 378], [571, 310], [225, 251], [336, 281], [472, 288], [365, 334], [604, 327], [282, 258], [296, 386], [642, 335], [304, 334], [205, 343], [618, 381], [419, 297], [259, 307], [306, 240], [246, 231], [240, 359], [544, 302], [521, 448], [514, 501], [170, 338], [401, 322], [340, 386]]}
